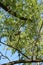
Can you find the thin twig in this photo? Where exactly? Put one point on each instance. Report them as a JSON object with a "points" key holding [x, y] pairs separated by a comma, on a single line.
{"points": [[4, 56], [15, 49]]}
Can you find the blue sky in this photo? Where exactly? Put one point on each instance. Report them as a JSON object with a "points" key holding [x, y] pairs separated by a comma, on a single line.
{"points": [[8, 54]]}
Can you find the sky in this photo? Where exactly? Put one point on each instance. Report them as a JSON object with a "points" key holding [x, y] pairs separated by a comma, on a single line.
{"points": [[8, 54]]}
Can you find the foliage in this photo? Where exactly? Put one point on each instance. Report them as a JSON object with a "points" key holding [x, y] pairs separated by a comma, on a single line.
{"points": [[21, 33]]}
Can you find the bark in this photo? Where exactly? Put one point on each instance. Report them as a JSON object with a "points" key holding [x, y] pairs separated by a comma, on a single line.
{"points": [[9, 11], [22, 61]]}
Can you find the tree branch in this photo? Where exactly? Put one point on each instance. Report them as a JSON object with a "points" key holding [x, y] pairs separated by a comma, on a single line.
{"points": [[4, 56], [10, 11], [15, 49], [22, 61], [36, 40]]}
